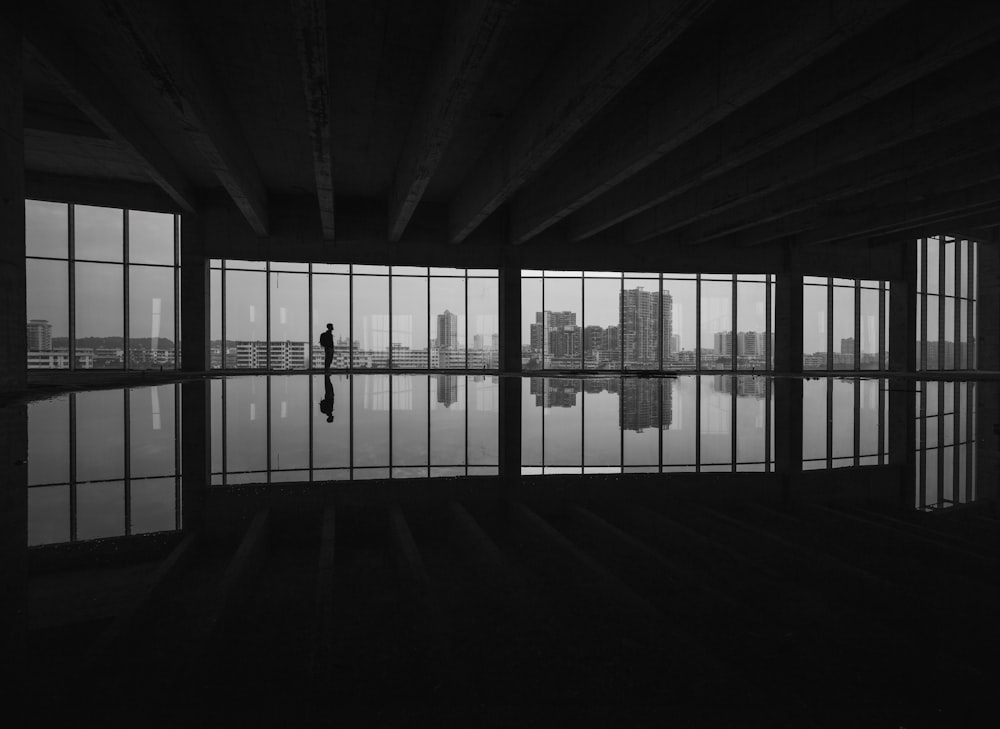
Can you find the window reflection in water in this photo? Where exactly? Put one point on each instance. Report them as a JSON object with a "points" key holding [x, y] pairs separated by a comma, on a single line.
{"points": [[640, 425], [946, 436], [844, 423], [103, 464]]}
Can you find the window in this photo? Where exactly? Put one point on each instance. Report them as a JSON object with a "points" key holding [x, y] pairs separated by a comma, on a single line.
{"points": [[946, 303], [269, 315], [845, 324], [102, 287]]}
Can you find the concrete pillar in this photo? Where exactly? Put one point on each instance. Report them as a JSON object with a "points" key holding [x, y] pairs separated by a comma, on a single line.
{"points": [[196, 450], [903, 311], [788, 323], [788, 432], [510, 365], [988, 358], [13, 312], [13, 530], [195, 298]]}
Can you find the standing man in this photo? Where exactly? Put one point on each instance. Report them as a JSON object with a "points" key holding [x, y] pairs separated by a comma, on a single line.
{"points": [[326, 341]]}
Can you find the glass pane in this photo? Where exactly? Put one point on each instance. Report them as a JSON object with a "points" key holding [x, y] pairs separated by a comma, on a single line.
{"points": [[716, 419], [679, 418], [331, 268], [814, 338], [843, 328], [447, 271], [409, 322], [869, 417], [153, 433], [601, 430], [646, 322], [150, 237], [217, 406], [100, 510], [246, 265], [409, 423], [963, 282], [46, 229], [215, 318], [484, 324], [100, 435], [563, 423], [371, 322], [289, 406], [933, 333], [448, 320], [751, 420], [948, 345], [933, 266], [331, 422], [716, 324], [99, 316], [100, 233], [48, 515], [48, 441], [532, 324], [290, 336], [869, 329], [246, 325], [370, 414], [153, 505], [601, 343], [563, 303], [151, 318], [447, 431], [950, 247], [751, 326], [48, 314], [409, 270], [643, 404], [680, 307], [483, 413], [842, 418], [532, 416], [289, 267], [246, 429], [331, 302]]}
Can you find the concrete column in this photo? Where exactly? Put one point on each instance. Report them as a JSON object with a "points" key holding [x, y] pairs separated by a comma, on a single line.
{"points": [[988, 353], [903, 311], [788, 432], [903, 435], [13, 530], [788, 323], [196, 450], [510, 366], [195, 298], [13, 312]]}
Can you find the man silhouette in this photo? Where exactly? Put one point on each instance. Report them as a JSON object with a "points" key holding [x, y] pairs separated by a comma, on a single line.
{"points": [[326, 404], [326, 341]]}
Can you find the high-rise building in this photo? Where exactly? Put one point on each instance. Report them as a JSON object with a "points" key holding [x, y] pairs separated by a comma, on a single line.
{"points": [[644, 326], [447, 330], [847, 345], [39, 335]]}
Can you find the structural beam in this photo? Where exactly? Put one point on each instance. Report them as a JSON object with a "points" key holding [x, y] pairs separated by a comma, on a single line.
{"points": [[83, 83], [309, 17], [469, 43], [858, 75], [587, 73], [174, 66], [660, 114]]}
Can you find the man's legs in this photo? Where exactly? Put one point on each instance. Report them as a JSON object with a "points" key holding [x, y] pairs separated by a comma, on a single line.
{"points": [[327, 358]]}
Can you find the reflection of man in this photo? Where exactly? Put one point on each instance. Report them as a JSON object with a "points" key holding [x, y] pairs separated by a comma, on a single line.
{"points": [[326, 404], [326, 342]]}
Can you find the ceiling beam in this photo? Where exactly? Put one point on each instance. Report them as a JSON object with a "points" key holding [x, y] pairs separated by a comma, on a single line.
{"points": [[875, 147], [587, 72], [470, 40], [165, 52], [80, 81], [92, 191], [309, 17], [763, 49], [858, 75]]}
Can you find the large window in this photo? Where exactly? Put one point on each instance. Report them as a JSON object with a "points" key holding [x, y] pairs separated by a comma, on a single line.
{"points": [[646, 321], [101, 287], [104, 464], [845, 324], [946, 303], [270, 316], [642, 425]]}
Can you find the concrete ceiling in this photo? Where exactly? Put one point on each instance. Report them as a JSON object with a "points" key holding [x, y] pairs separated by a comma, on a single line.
{"points": [[679, 122]]}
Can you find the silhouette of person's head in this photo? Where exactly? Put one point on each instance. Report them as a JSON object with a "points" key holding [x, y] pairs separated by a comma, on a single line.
{"points": [[329, 326]]}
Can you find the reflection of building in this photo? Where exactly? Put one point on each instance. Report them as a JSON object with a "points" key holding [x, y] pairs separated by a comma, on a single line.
{"points": [[646, 404], [554, 393], [745, 385], [39, 335], [447, 389]]}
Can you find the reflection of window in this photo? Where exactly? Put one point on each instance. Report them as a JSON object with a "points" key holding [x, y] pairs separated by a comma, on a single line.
{"points": [[647, 321], [268, 429], [399, 317], [83, 484], [845, 324], [946, 444], [638, 425], [844, 423], [123, 278], [946, 303]]}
